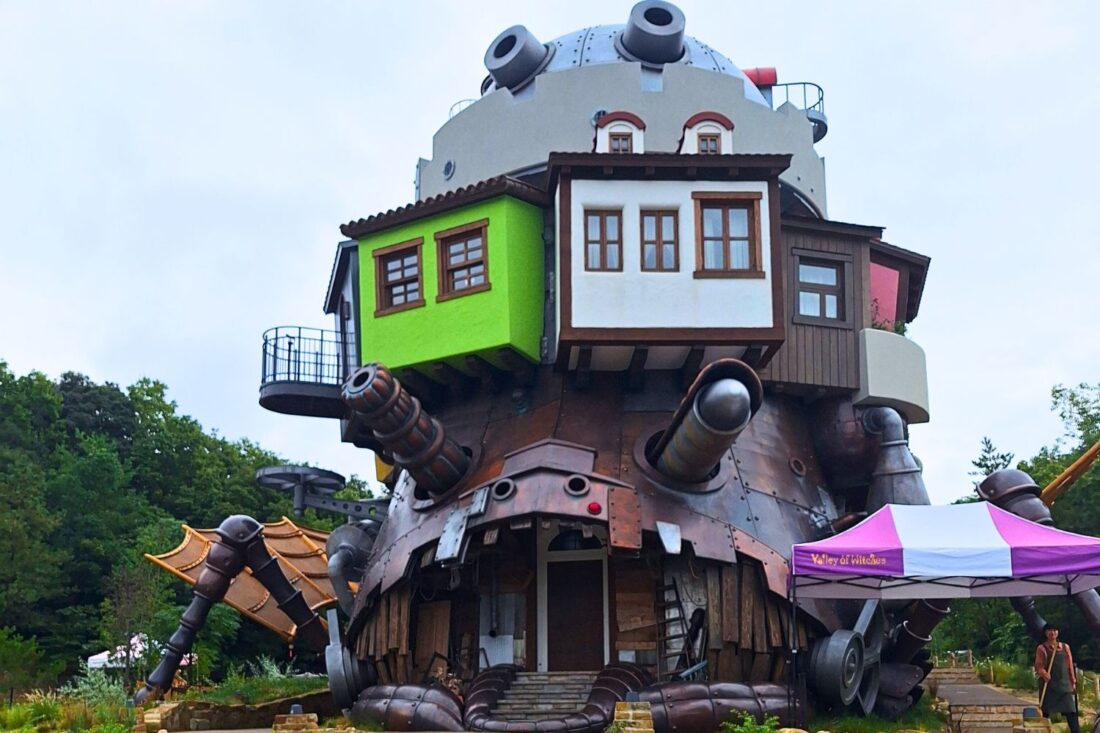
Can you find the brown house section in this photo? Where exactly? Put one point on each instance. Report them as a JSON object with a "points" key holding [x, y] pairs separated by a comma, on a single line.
{"points": [[815, 355]]}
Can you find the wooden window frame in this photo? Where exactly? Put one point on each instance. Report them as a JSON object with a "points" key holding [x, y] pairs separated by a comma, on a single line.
{"points": [[843, 264], [658, 242], [618, 135], [603, 240], [716, 137], [445, 291], [747, 200], [381, 294]]}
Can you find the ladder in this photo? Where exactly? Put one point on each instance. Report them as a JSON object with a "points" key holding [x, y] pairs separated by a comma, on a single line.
{"points": [[675, 652]]}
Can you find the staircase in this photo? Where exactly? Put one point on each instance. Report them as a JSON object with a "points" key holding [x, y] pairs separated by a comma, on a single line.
{"points": [[538, 696], [674, 650]]}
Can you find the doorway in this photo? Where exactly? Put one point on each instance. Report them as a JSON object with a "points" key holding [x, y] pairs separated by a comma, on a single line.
{"points": [[572, 598]]}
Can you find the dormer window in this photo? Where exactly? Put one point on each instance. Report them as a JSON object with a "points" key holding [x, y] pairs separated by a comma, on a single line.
{"points": [[620, 133], [707, 133], [710, 143], [621, 142]]}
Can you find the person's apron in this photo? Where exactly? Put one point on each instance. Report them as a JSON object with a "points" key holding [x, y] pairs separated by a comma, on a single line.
{"points": [[1060, 696]]}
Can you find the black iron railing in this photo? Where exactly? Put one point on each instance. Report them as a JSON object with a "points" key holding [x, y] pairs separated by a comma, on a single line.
{"points": [[299, 354], [802, 94]]}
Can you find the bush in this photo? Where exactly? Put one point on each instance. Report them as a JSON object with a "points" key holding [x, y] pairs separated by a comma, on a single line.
{"points": [[1006, 674], [95, 689], [747, 723], [76, 716], [45, 706], [16, 716]]}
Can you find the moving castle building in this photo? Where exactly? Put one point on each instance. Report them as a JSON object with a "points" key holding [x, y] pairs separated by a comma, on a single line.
{"points": [[613, 360]]}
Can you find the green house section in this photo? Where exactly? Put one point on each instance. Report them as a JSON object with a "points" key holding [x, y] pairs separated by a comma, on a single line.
{"points": [[508, 314]]}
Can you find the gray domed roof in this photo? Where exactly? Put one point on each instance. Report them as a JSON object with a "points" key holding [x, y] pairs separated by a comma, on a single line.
{"points": [[602, 44]]}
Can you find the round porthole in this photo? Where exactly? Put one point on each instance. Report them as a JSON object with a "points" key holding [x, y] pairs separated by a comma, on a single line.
{"points": [[798, 468], [448, 169], [577, 485], [504, 489]]}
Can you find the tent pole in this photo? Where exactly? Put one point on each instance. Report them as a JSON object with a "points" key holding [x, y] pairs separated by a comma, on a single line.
{"points": [[792, 662]]}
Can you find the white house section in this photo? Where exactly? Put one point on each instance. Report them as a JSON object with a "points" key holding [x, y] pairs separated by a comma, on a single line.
{"points": [[634, 298], [610, 137]]}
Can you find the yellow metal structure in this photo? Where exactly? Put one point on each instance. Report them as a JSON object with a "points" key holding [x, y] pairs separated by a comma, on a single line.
{"points": [[1067, 478], [300, 552]]}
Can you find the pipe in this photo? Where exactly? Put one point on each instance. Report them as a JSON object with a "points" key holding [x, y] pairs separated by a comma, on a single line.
{"points": [[915, 629], [717, 407], [515, 57], [338, 566], [897, 475], [654, 33], [418, 441]]}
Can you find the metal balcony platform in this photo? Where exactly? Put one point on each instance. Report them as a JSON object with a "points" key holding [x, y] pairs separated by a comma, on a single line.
{"points": [[302, 372]]}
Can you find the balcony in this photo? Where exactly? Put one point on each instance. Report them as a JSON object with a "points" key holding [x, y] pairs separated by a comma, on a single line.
{"points": [[892, 372], [302, 371], [804, 95]]}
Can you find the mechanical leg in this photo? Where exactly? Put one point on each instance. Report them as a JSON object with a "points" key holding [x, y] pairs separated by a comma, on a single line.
{"points": [[1016, 492], [240, 543]]}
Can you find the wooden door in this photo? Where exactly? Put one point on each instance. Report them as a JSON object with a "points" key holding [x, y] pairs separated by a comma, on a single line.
{"points": [[574, 615]]}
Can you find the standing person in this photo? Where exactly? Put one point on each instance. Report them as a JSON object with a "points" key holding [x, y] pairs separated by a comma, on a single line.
{"points": [[1057, 678]]}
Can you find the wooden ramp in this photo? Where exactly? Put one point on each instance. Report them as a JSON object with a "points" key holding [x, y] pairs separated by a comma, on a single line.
{"points": [[978, 707]]}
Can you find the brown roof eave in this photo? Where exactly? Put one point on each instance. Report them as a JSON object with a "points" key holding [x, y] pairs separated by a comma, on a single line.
{"points": [[472, 194], [744, 166], [832, 227]]}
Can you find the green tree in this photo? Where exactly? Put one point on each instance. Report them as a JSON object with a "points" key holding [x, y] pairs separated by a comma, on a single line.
{"points": [[989, 460], [101, 409], [21, 662]]}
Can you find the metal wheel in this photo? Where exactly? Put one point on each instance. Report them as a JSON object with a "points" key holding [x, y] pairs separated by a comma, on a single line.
{"points": [[836, 667]]}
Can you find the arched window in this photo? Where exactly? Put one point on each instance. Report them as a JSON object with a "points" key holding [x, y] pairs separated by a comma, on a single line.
{"points": [[621, 133], [707, 133]]}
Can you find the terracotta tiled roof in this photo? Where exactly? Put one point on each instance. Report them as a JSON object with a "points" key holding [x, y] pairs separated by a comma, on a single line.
{"points": [[490, 188]]}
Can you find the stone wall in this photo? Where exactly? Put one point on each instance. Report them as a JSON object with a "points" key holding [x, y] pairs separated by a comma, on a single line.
{"points": [[189, 715]]}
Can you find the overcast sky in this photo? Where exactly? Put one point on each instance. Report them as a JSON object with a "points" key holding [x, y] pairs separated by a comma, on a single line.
{"points": [[173, 175]]}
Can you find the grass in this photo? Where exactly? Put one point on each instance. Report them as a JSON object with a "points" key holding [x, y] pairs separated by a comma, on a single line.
{"points": [[45, 712], [262, 681], [253, 690], [921, 716]]}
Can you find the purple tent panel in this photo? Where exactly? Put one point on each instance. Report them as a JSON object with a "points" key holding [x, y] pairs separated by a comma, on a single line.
{"points": [[955, 551]]}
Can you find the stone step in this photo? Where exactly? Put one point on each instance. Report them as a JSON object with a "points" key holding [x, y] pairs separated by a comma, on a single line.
{"points": [[533, 704], [545, 676], [541, 692], [530, 707], [520, 701]]}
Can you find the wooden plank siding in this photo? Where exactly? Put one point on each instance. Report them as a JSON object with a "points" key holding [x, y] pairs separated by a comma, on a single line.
{"points": [[814, 356]]}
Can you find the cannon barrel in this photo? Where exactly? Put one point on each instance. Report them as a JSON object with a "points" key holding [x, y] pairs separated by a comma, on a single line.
{"points": [[717, 407], [418, 441]]}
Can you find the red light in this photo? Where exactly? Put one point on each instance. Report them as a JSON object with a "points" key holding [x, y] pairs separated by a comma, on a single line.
{"points": [[594, 508]]}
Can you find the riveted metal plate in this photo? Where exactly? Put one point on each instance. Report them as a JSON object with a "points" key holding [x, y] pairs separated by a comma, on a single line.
{"points": [[624, 515]]}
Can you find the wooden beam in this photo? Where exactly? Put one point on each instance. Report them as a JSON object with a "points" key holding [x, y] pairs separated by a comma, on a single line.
{"points": [[426, 389], [752, 356], [523, 370], [691, 366], [458, 382], [584, 367], [491, 377], [635, 373]]}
